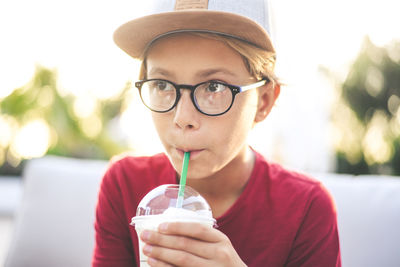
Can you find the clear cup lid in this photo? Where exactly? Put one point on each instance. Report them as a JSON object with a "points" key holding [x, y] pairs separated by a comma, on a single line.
{"points": [[163, 199]]}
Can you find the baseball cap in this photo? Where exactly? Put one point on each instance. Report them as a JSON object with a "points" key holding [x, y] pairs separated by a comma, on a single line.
{"points": [[247, 20]]}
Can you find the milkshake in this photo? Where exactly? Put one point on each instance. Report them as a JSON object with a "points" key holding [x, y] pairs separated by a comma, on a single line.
{"points": [[159, 206]]}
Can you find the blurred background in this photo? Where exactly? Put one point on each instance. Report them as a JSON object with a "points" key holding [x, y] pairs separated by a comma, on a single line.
{"points": [[65, 88]]}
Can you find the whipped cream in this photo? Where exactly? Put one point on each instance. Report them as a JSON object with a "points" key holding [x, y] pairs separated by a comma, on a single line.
{"points": [[178, 212]]}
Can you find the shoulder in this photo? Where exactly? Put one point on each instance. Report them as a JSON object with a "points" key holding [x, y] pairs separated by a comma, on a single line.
{"points": [[134, 172], [138, 163], [133, 166], [301, 211], [293, 187]]}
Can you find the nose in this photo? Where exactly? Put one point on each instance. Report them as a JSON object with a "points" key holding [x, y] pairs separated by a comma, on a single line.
{"points": [[186, 115]]}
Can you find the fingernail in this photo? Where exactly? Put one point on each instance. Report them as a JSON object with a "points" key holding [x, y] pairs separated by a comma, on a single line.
{"points": [[151, 261], [145, 235], [147, 249], [163, 227]]}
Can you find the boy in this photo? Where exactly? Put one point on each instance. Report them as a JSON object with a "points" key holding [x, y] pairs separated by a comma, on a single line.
{"points": [[207, 77]]}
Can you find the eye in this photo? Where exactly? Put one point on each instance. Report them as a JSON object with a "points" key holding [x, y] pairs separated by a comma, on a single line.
{"points": [[161, 85], [215, 87]]}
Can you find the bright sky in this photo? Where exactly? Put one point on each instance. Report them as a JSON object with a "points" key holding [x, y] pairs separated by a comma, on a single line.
{"points": [[75, 37]]}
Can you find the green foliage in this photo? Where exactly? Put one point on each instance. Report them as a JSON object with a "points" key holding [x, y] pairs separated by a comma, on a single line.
{"points": [[71, 135], [369, 117]]}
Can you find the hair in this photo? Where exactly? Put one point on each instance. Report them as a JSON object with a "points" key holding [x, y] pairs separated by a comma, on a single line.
{"points": [[259, 62]]}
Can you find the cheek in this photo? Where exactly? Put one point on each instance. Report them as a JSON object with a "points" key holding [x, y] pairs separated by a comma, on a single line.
{"points": [[244, 109], [160, 122], [237, 123]]}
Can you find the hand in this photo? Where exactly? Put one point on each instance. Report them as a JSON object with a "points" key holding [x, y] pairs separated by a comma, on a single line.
{"points": [[189, 244]]}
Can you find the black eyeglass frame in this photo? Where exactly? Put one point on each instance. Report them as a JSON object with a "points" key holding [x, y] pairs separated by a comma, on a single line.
{"points": [[235, 89]]}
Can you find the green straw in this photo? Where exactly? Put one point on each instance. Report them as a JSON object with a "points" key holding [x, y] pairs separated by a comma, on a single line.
{"points": [[182, 182]]}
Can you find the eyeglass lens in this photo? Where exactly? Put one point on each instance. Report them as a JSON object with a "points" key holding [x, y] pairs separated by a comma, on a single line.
{"points": [[210, 97]]}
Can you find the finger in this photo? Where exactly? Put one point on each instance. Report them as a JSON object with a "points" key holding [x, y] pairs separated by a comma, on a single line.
{"points": [[193, 246], [161, 256], [194, 230], [157, 263]]}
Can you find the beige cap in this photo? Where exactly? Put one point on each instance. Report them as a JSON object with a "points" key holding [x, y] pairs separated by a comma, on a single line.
{"points": [[247, 20]]}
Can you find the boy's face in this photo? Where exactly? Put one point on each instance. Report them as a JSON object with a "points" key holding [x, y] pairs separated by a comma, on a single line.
{"points": [[214, 142]]}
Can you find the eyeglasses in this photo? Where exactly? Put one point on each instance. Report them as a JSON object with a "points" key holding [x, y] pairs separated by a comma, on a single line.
{"points": [[211, 98]]}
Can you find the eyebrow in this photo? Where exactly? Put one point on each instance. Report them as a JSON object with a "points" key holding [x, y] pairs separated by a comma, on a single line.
{"points": [[210, 72], [161, 71], [202, 73]]}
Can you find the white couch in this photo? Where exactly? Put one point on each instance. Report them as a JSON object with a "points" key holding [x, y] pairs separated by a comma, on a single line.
{"points": [[54, 223]]}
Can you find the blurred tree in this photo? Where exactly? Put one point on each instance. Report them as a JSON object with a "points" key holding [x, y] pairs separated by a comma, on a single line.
{"points": [[367, 117], [70, 132]]}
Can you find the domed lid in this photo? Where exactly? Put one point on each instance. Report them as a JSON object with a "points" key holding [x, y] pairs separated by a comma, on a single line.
{"points": [[162, 200]]}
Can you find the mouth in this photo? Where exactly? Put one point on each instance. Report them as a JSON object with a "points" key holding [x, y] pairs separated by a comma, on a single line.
{"points": [[193, 152]]}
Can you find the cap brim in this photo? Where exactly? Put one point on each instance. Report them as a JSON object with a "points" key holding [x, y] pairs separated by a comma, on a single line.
{"points": [[134, 36]]}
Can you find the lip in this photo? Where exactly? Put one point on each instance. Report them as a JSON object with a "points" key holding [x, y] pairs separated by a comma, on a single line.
{"points": [[194, 153]]}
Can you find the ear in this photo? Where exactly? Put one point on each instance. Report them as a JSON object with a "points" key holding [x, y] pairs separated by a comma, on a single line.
{"points": [[267, 96]]}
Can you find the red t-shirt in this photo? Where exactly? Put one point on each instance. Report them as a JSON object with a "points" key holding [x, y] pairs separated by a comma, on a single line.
{"points": [[282, 218]]}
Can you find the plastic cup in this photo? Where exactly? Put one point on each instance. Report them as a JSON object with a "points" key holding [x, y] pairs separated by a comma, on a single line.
{"points": [[159, 206]]}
